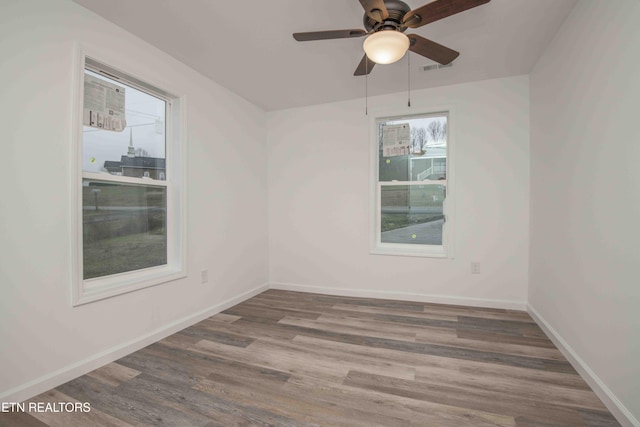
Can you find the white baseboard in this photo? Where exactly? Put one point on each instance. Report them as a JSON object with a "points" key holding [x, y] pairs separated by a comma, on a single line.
{"points": [[622, 414], [67, 373], [404, 296]]}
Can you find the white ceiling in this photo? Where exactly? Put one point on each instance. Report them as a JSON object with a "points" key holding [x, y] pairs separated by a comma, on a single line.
{"points": [[247, 46]]}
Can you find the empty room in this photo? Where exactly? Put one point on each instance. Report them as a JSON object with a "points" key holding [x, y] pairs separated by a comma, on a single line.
{"points": [[320, 213]]}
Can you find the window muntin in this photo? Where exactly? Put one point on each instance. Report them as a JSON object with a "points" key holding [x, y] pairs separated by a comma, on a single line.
{"points": [[130, 204], [411, 188]]}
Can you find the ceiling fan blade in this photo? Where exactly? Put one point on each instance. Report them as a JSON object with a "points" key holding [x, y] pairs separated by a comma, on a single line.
{"points": [[365, 66], [375, 9], [432, 50], [437, 10], [331, 34]]}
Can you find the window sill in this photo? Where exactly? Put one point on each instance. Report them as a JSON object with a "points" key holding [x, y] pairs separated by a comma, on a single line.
{"points": [[409, 250], [97, 289]]}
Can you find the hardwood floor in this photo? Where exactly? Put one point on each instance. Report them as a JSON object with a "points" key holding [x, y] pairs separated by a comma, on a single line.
{"points": [[295, 359]]}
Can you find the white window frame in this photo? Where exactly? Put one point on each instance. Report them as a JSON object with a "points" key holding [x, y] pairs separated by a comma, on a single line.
{"points": [[95, 289], [377, 247]]}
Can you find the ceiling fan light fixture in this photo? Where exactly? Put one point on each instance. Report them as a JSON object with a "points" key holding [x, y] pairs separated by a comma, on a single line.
{"points": [[386, 46]]}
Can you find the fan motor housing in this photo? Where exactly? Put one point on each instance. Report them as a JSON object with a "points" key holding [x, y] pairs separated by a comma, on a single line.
{"points": [[397, 10]]}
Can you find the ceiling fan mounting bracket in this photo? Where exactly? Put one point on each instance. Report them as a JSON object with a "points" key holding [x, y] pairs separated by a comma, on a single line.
{"points": [[414, 20], [397, 10]]}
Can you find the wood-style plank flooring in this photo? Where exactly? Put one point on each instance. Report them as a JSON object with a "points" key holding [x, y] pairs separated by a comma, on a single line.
{"points": [[296, 359]]}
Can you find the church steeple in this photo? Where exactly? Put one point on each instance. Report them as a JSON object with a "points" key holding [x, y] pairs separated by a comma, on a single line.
{"points": [[132, 151]]}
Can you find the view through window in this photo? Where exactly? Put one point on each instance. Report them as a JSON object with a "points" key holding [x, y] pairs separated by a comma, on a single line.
{"points": [[412, 179], [124, 190]]}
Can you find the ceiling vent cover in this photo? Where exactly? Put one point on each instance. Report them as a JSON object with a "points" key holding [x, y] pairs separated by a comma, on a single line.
{"points": [[436, 66]]}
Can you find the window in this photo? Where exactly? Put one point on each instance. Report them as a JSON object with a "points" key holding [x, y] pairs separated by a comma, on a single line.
{"points": [[412, 176], [130, 209]]}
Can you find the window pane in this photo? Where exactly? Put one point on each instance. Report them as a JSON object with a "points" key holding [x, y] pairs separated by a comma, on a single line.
{"points": [[426, 145], [124, 227], [139, 149], [412, 214]]}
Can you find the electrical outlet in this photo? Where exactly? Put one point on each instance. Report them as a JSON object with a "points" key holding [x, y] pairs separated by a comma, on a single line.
{"points": [[475, 268], [204, 276]]}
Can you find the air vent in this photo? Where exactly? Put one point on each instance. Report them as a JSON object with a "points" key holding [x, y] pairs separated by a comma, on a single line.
{"points": [[436, 66]]}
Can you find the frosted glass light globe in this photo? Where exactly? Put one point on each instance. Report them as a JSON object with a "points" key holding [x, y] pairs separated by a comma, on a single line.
{"points": [[386, 46]]}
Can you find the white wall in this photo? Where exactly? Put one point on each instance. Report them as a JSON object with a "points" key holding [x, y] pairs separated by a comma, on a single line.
{"points": [[584, 198], [43, 339], [319, 199], [585, 193]]}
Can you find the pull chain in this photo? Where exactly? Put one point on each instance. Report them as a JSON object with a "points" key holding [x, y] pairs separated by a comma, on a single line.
{"points": [[366, 86], [409, 79]]}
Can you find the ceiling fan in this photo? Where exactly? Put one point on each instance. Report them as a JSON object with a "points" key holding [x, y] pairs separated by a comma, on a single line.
{"points": [[386, 20]]}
